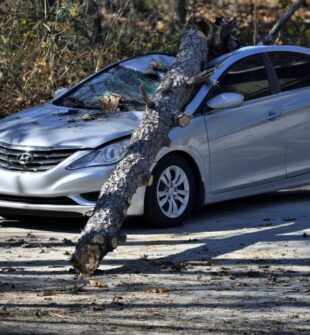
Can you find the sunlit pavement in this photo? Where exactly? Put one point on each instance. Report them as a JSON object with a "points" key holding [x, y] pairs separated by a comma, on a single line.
{"points": [[239, 267]]}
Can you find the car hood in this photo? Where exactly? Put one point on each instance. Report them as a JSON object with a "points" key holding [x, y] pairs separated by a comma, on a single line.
{"points": [[55, 126]]}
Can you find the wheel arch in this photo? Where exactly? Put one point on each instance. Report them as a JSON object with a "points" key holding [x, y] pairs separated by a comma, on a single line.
{"points": [[194, 166]]}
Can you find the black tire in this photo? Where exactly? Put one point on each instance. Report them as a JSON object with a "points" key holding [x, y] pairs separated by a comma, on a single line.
{"points": [[153, 213]]}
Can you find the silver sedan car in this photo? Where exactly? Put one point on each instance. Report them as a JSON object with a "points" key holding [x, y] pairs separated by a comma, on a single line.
{"points": [[248, 134]]}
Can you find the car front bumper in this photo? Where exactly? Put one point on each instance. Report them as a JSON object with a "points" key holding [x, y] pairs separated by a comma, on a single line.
{"points": [[20, 190], [20, 208]]}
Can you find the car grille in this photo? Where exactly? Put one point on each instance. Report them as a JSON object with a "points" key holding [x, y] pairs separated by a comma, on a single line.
{"points": [[38, 200], [33, 160], [93, 196]]}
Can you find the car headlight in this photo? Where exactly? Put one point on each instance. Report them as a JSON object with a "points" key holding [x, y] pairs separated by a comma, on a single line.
{"points": [[107, 155]]}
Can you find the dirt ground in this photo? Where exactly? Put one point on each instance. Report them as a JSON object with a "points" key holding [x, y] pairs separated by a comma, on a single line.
{"points": [[239, 267]]}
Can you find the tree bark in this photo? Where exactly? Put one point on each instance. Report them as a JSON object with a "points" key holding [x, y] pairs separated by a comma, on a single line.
{"points": [[102, 232]]}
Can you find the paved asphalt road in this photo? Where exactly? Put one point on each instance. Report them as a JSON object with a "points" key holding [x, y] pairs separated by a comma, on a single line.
{"points": [[239, 267]]}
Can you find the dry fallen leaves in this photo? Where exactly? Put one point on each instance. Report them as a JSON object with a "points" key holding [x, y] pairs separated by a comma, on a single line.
{"points": [[8, 269], [95, 307], [96, 283], [47, 292], [59, 315], [4, 311], [109, 102], [53, 239], [87, 117], [67, 242], [158, 290]]}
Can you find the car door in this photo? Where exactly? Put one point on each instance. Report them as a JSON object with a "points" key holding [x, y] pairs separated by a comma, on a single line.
{"points": [[246, 143], [293, 72]]}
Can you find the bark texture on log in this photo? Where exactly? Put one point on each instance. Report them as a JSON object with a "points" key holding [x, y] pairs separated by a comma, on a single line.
{"points": [[102, 232]]}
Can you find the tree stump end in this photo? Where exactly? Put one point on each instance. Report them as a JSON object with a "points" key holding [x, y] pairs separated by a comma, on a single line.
{"points": [[88, 254]]}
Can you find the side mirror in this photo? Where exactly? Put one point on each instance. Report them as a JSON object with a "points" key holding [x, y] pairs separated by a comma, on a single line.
{"points": [[60, 91], [226, 100]]}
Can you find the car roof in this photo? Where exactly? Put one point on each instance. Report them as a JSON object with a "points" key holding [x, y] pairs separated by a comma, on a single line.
{"points": [[141, 62], [253, 49], [167, 59]]}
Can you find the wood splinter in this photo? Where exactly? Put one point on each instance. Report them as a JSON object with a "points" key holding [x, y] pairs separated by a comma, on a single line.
{"points": [[148, 181], [183, 120], [145, 97]]}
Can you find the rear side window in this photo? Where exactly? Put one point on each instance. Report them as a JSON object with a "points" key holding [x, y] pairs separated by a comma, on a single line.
{"points": [[292, 69], [247, 77]]}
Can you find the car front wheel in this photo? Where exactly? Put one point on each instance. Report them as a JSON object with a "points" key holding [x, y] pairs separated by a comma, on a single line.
{"points": [[170, 199]]}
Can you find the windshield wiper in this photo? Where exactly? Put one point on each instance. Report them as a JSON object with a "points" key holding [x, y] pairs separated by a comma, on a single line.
{"points": [[77, 103]]}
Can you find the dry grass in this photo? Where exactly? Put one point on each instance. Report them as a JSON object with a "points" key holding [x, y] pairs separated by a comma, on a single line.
{"points": [[41, 50]]}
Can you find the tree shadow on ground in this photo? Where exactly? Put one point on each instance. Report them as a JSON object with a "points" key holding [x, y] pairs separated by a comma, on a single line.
{"points": [[208, 213], [232, 220], [241, 285]]}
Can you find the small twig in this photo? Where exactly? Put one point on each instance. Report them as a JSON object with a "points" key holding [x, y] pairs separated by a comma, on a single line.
{"points": [[200, 78], [60, 316], [255, 23], [144, 95]]}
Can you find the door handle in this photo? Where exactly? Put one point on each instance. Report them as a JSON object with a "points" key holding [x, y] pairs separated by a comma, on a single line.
{"points": [[273, 116]]}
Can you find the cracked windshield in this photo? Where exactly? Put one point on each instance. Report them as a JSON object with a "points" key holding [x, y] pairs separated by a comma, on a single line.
{"points": [[119, 82]]}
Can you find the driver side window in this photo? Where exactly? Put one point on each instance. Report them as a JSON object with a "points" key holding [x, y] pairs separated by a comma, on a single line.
{"points": [[247, 77]]}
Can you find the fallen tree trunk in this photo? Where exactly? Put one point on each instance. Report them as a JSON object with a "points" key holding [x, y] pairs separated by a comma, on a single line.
{"points": [[163, 112]]}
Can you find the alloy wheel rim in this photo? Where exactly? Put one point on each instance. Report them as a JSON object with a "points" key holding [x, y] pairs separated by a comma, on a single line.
{"points": [[173, 191]]}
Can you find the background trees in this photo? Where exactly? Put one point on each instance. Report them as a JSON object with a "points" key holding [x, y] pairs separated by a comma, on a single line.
{"points": [[46, 44], [180, 10]]}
